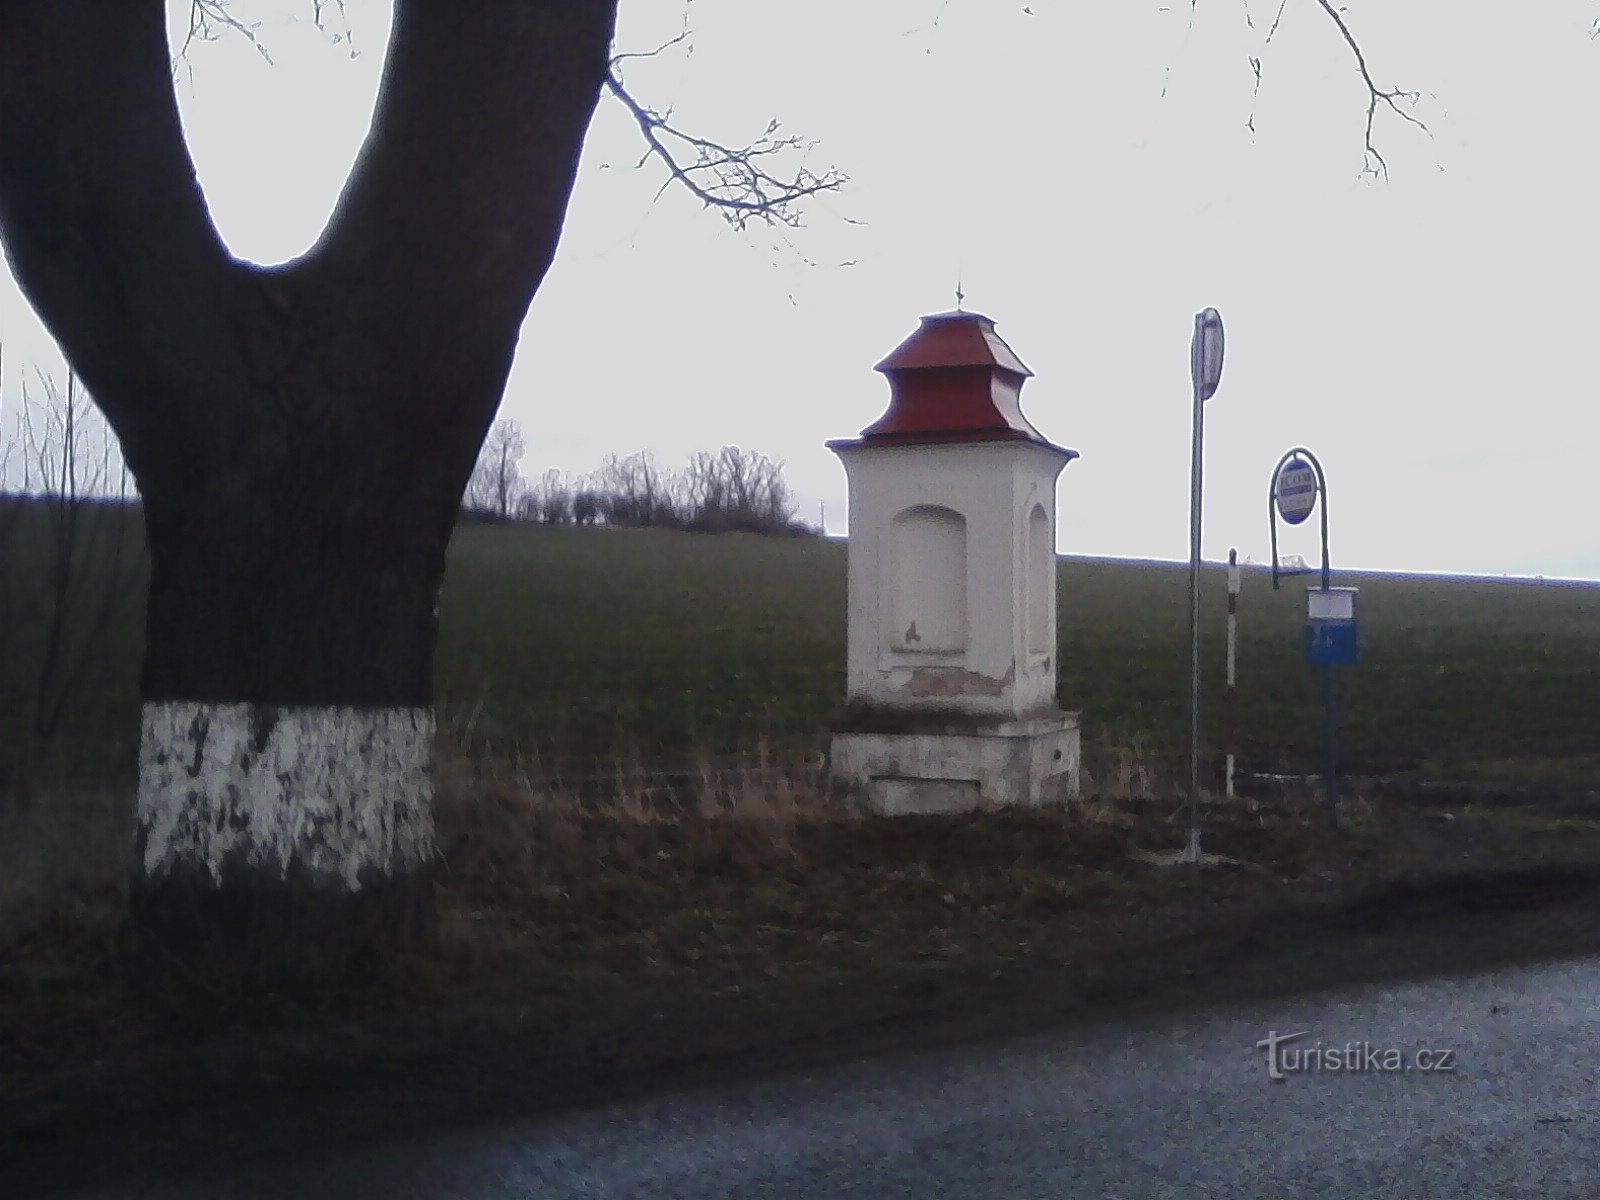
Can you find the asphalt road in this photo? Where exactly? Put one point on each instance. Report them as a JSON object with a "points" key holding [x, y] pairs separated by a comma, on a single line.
{"points": [[1180, 1105]]}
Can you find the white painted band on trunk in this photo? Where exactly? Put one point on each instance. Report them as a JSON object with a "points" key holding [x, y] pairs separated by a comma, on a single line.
{"points": [[343, 795]]}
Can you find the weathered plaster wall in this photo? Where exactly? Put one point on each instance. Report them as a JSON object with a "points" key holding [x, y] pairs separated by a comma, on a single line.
{"points": [[994, 487], [1036, 762]]}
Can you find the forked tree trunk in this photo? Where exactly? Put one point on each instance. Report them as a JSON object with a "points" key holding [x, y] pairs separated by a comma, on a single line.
{"points": [[301, 435]]}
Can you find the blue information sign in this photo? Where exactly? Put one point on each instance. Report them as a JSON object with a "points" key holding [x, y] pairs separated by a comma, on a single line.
{"points": [[1331, 643], [1295, 490]]}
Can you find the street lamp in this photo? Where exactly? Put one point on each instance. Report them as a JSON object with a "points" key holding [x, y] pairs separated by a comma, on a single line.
{"points": [[1205, 369]]}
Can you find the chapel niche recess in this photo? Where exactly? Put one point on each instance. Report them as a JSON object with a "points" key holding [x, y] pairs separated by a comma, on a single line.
{"points": [[1041, 565], [928, 581]]}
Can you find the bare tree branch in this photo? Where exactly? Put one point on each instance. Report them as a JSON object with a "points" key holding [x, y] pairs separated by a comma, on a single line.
{"points": [[210, 19], [1277, 20], [742, 183], [1374, 163], [1255, 60], [933, 26], [681, 37], [320, 14]]}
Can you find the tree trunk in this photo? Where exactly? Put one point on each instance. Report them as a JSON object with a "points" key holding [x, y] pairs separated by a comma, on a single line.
{"points": [[287, 744], [301, 435]]}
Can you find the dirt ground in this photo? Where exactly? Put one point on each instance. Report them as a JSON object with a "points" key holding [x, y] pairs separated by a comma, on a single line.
{"points": [[588, 954]]}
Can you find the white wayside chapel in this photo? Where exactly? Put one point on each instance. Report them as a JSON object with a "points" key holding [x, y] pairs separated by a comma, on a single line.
{"points": [[952, 653]]}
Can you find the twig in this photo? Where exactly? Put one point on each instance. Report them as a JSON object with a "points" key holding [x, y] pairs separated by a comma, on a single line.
{"points": [[210, 19], [1374, 161], [741, 183], [1255, 61], [205, 16]]}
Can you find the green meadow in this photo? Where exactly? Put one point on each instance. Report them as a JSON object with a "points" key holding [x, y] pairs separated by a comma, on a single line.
{"points": [[571, 651], [571, 646]]}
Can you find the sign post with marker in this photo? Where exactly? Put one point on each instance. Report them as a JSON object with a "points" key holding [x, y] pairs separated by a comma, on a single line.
{"points": [[1233, 650], [1331, 641], [1297, 484], [1332, 636], [1205, 372]]}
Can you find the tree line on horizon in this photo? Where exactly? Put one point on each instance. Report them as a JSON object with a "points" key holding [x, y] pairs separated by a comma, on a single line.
{"points": [[72, 567], [731, 490], [55, 446]]}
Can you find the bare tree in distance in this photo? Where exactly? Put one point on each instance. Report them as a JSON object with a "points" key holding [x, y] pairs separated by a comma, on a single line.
{"points": [[9, 514], [588, 506], [70, 568], [550, 501], [737, 489], [638, 491], [496, 487], [733, 489]]}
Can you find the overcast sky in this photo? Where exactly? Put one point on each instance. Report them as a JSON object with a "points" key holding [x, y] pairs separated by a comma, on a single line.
{"points": [[1086, 172]]}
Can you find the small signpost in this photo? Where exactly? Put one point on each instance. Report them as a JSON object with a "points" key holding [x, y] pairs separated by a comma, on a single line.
{"points": [[1205, 373], [1234, 579], [1332, 634], [1332, 640]]}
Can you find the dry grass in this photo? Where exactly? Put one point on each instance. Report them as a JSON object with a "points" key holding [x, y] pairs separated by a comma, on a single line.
{"points": [[1127, 771], [65, 858], [506, 837], [624, 840]]}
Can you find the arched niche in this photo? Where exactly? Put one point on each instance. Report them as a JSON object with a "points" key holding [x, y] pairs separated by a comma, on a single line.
{"points": [[928, 581], [1040, 574]]}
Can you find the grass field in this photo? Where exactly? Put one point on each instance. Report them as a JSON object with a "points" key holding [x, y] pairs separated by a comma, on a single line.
{"points": [[584, 646], [571, 650]]}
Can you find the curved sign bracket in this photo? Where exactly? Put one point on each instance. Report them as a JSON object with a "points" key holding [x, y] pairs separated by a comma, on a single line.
{"points": [[1298, 486]]}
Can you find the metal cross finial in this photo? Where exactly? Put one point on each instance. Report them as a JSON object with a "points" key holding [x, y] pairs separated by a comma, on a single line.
{"points": [[960, 295]]}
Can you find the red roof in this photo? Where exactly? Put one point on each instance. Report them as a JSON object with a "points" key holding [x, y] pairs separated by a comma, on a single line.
{"points": [[953, 380], [955, 339]]}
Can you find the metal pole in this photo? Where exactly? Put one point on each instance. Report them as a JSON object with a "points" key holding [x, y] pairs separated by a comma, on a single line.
{"points": [[1322, 486], [1331, 778], [1233, 650], [1195, 471], [1205, 370]]}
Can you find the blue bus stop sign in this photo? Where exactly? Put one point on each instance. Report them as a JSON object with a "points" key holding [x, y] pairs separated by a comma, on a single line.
{"points": [[1332, 643], [1295, 490]]}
